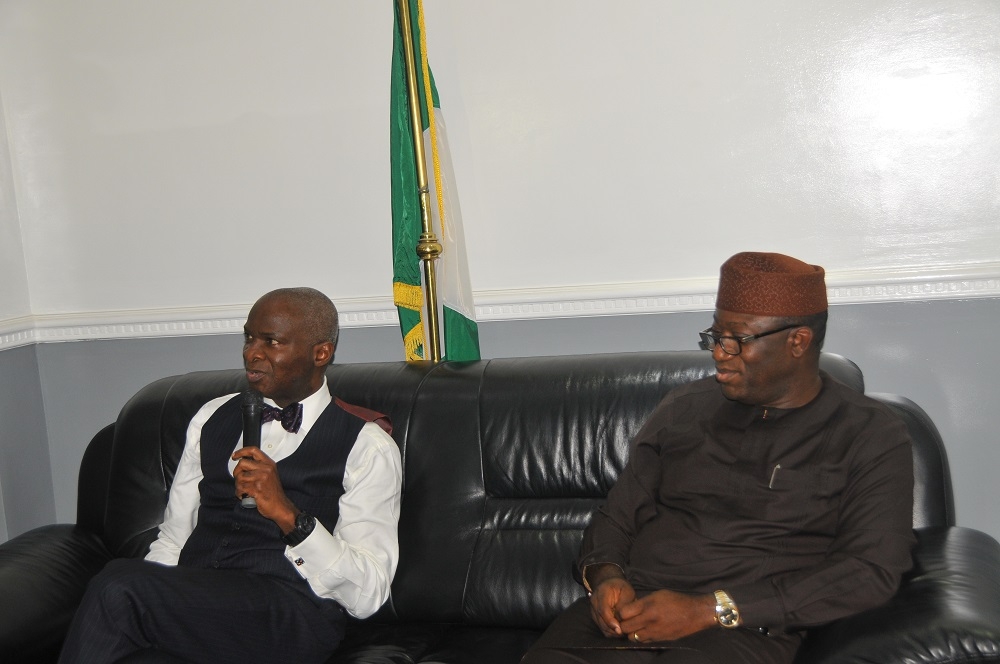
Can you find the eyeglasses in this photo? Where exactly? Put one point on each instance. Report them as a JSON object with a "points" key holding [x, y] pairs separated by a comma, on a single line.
{"points": [[734, 345]]}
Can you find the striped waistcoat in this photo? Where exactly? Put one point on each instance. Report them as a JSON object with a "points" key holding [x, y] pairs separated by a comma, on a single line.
{"points": [[229, 536]]}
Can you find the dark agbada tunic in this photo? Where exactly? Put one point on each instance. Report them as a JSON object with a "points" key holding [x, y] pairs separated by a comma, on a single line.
{"points": [[802, 515]]}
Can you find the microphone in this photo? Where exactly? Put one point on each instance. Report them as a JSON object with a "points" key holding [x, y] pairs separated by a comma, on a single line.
{"points": [[253, 407]]}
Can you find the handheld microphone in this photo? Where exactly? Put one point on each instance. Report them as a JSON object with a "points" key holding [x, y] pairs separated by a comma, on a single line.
{"points": [[253, 407]]}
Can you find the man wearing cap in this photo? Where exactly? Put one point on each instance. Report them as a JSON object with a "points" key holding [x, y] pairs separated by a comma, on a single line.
{"points": [[756, 503]]}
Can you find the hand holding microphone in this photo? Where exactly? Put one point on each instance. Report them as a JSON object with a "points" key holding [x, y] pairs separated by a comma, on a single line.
{"points": [[253, 407]]}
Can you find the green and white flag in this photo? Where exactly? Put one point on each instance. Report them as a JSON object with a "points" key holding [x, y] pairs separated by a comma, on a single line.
{"points": [[456, 312]]}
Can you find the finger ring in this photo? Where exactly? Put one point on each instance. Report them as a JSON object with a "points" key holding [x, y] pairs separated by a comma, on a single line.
{"points": [[635, 636]]}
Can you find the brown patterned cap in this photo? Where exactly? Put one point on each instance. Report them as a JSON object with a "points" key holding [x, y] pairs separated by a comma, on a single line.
{"points": [[766, 284]]}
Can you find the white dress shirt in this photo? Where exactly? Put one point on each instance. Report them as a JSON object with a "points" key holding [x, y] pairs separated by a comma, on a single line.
{"points": [[355, 563]]}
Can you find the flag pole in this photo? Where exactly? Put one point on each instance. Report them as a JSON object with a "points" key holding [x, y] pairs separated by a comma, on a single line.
{"points": [[428, 248]]}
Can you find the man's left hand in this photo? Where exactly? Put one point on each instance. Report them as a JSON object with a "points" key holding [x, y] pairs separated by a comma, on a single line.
{"points": [[666, 615], [256, 475]]}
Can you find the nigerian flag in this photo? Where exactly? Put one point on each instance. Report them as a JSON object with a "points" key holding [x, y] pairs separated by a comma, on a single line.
{"points": [[456, 313]]}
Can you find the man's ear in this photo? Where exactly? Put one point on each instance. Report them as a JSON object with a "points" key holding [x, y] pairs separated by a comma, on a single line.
{"points": [[800, 341], [323, 353]]}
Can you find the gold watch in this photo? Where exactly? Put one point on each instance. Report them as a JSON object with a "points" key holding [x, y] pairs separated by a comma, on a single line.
{"points": [[726, 613]]}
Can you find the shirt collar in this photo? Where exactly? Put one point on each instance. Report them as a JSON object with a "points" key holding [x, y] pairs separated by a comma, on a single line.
{"points": [[312, 406], [742, 415]]}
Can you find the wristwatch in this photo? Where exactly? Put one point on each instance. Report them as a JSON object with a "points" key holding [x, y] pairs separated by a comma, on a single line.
{"points": [[304, 524], [726, 613]]}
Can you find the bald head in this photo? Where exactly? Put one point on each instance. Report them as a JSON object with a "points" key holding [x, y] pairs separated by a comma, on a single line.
{"points": [[316, 312]]}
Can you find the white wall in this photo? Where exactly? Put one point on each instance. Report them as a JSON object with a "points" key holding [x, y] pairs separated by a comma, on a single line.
{"points": [[170, 146], [14, 303], [164, 151]]}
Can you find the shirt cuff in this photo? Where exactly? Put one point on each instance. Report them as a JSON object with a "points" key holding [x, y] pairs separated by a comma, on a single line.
{"points": [[583, 574], [316, 553], [759, 604]]}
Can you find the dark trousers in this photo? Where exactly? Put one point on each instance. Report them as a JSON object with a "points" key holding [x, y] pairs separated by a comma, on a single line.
{"points": [[140, 611], [573, 638]]}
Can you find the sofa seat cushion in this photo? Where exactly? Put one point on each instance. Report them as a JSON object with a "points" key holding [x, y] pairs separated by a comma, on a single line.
{"points": [[44, 573]]}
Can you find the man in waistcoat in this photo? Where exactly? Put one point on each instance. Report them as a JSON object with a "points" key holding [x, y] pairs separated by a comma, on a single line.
{"points": [[761, 501], [271, 583]]}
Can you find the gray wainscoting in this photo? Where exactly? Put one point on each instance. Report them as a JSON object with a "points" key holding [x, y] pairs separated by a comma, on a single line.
{"points": [[54, 397]]}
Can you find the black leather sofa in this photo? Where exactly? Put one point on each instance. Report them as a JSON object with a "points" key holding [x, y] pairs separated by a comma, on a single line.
{"points": [[504, 462]]}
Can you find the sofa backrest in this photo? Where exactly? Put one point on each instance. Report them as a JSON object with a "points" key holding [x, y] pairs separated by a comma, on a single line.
{"points": [[933, 498], [504, 462]]}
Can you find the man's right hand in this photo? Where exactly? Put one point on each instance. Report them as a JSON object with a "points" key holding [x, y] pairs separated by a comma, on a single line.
{"points": [[609, 591], [604, 603]]}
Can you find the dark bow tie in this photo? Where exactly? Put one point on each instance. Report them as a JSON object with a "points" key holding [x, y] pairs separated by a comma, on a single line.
{"points": [[290, 416]]}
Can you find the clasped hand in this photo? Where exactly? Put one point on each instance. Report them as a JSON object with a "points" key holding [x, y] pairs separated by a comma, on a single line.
{"points": [[663, 615]]}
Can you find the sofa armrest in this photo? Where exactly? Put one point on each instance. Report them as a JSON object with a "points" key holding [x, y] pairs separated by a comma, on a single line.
{"points": [[947, 610], [43, 574]]}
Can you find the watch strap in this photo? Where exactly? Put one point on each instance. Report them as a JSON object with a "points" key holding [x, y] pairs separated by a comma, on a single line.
{"points": [[304, 525], [726, 612]]}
